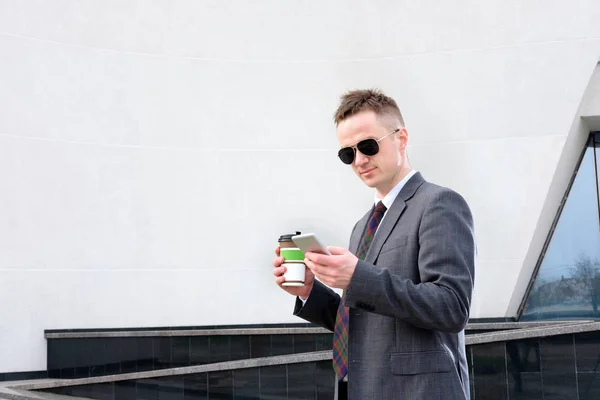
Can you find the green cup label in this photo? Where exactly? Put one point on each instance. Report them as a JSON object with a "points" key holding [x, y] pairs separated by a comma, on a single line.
{"points": [[292, 254]]}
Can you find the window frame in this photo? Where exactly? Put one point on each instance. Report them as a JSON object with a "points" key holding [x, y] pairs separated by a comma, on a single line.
{"points": [[593, 141]]}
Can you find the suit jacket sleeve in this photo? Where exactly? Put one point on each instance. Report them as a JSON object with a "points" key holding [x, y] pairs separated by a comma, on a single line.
{"points": [[320, 307], [441, 300]]}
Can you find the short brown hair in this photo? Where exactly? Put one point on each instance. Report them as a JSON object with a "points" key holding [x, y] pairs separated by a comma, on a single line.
{"points": [[355, 101]]}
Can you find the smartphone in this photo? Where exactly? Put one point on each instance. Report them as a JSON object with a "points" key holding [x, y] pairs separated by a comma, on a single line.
{"points": [[309, 242]]}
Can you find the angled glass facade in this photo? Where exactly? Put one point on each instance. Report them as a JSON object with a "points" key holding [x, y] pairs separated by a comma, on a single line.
{"points": [[567, 284]]}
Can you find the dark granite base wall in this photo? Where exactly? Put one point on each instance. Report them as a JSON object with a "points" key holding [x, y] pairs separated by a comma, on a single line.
{"points": [[559, 367], [89, 357], [22, 376]]}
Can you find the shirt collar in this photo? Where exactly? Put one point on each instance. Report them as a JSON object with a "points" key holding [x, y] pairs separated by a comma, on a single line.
{"points": [[388, 200]]}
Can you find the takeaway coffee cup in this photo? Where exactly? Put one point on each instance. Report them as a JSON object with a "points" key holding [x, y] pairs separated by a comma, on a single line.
{"points": [[293, 260]]}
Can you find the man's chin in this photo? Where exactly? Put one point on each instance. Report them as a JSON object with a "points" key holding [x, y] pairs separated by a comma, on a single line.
{"points": [[369, 182]]}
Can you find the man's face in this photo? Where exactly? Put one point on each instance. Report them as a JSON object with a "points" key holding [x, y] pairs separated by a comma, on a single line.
{"points": [[381, 171]]}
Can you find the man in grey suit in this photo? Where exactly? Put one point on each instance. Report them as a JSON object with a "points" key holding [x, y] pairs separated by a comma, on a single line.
{"points": [[407, 277]]}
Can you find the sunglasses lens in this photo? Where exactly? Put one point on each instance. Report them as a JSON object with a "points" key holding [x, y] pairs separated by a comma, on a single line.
{"points": [[369, 147], [346, 155]]}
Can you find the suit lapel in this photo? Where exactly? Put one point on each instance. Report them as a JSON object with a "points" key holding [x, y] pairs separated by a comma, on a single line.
{"points": [[392, 216], [358, 232]]}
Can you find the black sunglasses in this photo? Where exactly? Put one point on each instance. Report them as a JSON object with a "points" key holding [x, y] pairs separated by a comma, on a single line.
{"points": [[368, 147]]}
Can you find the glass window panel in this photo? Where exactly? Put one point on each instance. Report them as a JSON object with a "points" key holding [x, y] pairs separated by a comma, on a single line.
{"points": [[195, 387], [220, 385], [199, 350], [282, 344], [239, 347], [325, 380], [302, 382], [568, 283], [246, 384], [559, 379], [273, 382], [524, 371], [489, 369]]}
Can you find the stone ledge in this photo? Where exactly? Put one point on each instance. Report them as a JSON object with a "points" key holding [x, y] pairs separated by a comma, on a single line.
{"points": [[272, 331], [186, 332], [531, 333], [19, 394], [227, 365], [519, 325]]}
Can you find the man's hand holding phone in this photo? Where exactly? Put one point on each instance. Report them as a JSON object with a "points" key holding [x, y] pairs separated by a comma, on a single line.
{"points": [[334, 270], [334, 266]]}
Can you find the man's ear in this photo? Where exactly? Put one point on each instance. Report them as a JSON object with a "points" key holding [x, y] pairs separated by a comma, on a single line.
{"points": [[403, 138]]}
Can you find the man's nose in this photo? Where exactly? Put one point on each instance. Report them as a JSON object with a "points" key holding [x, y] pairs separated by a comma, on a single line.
{"points": [[360, 159]]}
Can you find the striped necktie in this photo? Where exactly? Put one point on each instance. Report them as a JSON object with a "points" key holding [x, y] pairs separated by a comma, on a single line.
{"points": [[340, 332]]}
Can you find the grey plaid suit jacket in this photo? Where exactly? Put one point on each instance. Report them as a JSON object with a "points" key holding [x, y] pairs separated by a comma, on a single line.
{"points": [[409, 299]]}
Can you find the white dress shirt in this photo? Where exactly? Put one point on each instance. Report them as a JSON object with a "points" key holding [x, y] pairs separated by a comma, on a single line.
{"points": [[389, 198]]}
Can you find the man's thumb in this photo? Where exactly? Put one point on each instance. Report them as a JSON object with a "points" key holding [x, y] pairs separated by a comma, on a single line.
{"points": [[337, 251]]}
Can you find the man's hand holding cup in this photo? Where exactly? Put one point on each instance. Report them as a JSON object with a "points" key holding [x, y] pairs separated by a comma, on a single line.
{"points": [[290, 271]]}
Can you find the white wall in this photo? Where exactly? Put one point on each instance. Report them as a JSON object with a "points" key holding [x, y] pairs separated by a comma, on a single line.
{"points": [[140, 142]]}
